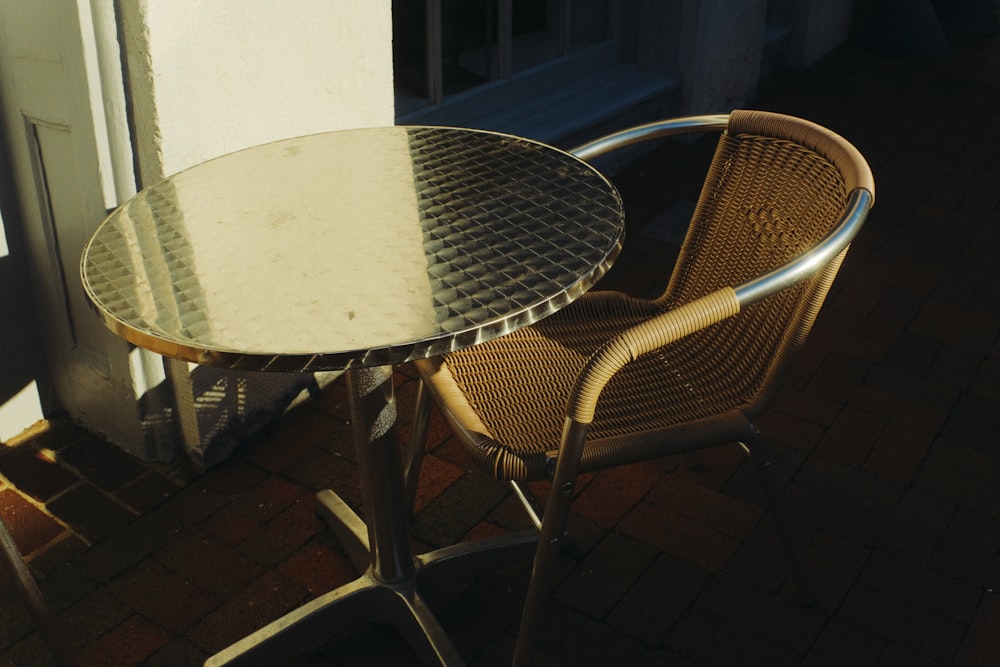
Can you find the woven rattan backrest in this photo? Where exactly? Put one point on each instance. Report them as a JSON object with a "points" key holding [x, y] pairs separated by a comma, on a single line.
{"points": [[769, 196]]}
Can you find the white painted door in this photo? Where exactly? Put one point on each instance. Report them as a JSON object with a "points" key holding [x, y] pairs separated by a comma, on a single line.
{"points": [[63, 111]]}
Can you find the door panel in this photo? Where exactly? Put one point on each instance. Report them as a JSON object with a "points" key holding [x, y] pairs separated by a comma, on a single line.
{"points": [[58, 139]]}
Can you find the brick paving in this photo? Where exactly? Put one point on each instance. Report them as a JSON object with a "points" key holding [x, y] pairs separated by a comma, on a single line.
{"points": [[888, 434]]}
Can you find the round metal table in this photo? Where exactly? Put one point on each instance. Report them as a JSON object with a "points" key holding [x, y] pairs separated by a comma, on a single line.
{"points": [[357, 250]]}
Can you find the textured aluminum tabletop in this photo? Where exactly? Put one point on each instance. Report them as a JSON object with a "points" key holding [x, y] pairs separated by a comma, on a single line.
{"points": [[353, 248]]}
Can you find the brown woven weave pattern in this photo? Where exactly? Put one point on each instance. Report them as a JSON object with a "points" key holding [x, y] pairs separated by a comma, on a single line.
{"points": [[764, 202]]}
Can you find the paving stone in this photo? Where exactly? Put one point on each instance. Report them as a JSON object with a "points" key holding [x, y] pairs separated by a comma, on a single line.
{"points": [[760, 558], [845, 644], [17, 619], [246, 512], [111, 557], [914, 583], [833, 563], [896, 397], [858, 488], [575, 639], [90, 512], [916, 525], [897, 305], [924, 632], [982, 645], [898, 452], [333, 399], [66, 585], [613, 492], [31, 650], [481, 613], [177, 652], [436, 475], [457, 509], [678, 535], [906, 398], [969, 547], [147, 492], [954, 324], [845, 332], [958, 368], [35, 474], [823, 509], [374, 646], [838, 377], [709, 640], [30, 527], [766, 615], [679, 494], [208, 563], [968, 492], [790, 429], [975, 422], [852, 436], [971, 463], [284, 533], [661, 658], [193, 504], [92, 617], [605, 574], [63, 549], [102, 464], [127, 644], [163, 597], [710, 468], [286, 441], [985, 382], [236, 477], [319, 470], [261, 601], [318, 568]]}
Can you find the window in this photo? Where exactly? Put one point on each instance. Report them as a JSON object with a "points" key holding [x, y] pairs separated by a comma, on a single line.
{"points": [[544, 69], [446, 47]]}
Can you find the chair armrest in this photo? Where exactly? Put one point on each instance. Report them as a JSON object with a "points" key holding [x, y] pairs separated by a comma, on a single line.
{"points": [[642, 339], [648, 132]]}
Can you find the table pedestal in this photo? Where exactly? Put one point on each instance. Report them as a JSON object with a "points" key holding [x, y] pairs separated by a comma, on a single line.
{"points": [[396, 585]]}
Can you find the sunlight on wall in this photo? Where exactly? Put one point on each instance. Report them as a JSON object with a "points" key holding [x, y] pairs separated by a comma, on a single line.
{"points": [[4, 251], [147, 371], [25, 407]]}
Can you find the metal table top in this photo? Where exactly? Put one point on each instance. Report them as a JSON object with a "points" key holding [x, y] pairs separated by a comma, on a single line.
{"points": [[352, 249]]}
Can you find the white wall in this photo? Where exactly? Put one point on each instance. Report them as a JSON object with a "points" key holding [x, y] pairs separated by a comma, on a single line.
{"points": [[210, 78]]}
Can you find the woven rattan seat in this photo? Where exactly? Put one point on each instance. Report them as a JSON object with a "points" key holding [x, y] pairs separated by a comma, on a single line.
{"points": [[612, 379]]}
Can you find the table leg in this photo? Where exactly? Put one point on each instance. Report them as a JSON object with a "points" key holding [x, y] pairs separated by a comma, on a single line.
{"points": [[395, 584]]}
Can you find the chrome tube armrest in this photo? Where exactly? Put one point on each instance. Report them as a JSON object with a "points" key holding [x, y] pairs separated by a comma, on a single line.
{"points": [[859, 202], [648, 132]]}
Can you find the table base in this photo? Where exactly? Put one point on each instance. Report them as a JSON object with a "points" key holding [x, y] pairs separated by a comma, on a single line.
{"points": [[396, 585], [402, 604]]}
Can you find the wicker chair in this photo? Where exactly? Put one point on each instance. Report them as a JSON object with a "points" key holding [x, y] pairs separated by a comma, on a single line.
{"points": [[613, 379]]}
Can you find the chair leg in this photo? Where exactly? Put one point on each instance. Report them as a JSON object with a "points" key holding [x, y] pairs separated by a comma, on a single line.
{"points": [[418, 445], [555, 519], [543, 570], [529, 502], [760, 452]]}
